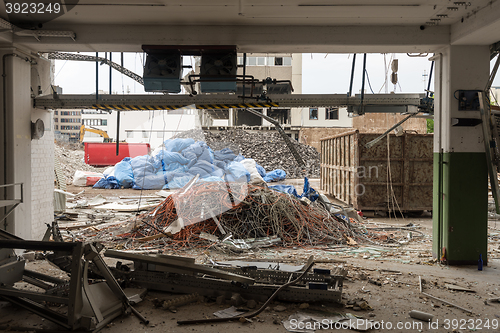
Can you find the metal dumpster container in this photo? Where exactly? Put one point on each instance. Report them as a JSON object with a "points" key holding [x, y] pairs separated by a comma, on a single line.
{"points": [[360, 177], [103, 154]]}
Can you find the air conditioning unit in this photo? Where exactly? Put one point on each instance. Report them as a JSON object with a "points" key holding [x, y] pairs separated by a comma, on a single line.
{"points": [[218, 72], [163, 72]]}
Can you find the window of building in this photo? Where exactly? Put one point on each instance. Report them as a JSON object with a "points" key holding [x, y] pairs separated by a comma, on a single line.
{"points": [[313, 113], [278, 61], [56, 120], [240, 60], [332, 114], [130, 134], [251, 61], [144, 134], [104, 122], [270, 61], [56, 127], [56, 112], [287, 61], [261, 61]]}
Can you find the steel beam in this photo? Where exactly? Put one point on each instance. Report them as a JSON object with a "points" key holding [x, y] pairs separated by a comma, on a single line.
{"points": [[222, 102]]}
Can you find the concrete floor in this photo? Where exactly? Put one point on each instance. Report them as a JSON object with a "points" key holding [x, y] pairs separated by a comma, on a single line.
{"points": [[396, 269]]}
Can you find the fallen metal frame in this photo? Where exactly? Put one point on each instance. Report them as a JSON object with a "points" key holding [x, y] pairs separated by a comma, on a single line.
{"points": [[175, 279], [89, 307]]}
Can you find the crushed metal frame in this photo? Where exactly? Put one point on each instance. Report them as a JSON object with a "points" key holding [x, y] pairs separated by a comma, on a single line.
{"points": [[87, 309]]}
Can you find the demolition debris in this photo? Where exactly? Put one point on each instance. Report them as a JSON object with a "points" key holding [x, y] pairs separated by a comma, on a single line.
{"points": [[266, 148]]}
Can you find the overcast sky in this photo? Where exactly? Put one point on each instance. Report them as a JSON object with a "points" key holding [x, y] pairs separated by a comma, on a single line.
{"points": [[321, 74]]}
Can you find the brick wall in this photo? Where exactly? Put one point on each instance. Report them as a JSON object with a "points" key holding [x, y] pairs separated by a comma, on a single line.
{"points": [[42, 178]]}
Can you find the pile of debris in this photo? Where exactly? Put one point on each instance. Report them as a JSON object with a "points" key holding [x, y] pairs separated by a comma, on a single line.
{"points": [[267, 148], [71, 160], [238, 215]]}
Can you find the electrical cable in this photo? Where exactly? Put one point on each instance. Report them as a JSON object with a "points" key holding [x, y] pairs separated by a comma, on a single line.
{"points": [[369, 84]]}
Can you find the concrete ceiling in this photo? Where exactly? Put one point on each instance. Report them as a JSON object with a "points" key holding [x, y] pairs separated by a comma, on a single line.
{"points": [[273, 25]]}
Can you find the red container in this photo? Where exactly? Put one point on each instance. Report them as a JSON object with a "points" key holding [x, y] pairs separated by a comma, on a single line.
{"points": [[104, 154]]}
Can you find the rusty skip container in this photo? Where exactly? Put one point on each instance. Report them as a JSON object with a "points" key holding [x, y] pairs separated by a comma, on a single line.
{"points": [[360, 177]]}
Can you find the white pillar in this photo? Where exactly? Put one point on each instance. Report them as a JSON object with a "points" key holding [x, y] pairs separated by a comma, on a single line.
{"points": [[460, 170], [24, 161]]}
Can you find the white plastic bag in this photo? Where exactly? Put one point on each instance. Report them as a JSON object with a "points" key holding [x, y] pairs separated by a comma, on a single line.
{"points": [[251, 167], [86, 178]]}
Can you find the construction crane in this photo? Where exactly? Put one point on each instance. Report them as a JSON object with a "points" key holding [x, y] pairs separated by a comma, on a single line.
{"points": [[82, 57], [102, 133]]}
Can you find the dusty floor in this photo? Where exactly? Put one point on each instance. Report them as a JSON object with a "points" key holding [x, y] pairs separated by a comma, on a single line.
{"points": [[387, 278]]}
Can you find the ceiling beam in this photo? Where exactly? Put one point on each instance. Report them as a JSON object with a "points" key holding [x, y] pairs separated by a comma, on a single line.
{"points": [[482, 27], [266, 39]]}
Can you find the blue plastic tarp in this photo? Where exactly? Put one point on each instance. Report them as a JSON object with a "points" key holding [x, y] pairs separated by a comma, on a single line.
{"points": [[274, 176], [288, 189], [179, 181], [205, 169], [236, 172], [107, 183], [225, 155], [261, 170], [308, 191], [177, 145], [124, 173]]}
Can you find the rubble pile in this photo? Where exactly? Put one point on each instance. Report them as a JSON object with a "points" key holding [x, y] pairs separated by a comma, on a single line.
{"points": [[267, 148], [243, 212], [72, 160]]}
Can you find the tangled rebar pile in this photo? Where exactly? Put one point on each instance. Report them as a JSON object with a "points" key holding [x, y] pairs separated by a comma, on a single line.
{"points": [[246, 211]]}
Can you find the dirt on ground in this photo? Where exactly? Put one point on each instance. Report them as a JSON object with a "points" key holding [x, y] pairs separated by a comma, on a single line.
{"points": [[385, 277]]}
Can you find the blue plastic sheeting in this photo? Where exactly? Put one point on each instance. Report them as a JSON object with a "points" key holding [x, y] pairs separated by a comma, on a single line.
{"points": [[261, 170], [149, 182], [274, 176], [308, 191], [236, 172], [178, 182], [205, 169], [288, 189], [225, 155], [212, 179], [107, 183], [171, 161], [145, 173], [179, 161], [124, 173], [177, 145]]}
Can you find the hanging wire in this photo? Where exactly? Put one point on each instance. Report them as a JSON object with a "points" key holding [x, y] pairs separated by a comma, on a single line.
{"points": [[369, 84]]}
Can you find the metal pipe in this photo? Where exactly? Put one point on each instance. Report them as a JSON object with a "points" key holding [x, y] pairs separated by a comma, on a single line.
{"points": [[244, 73], [363, 81], [352, 75], [117, 132], [430, 78], [96, 77], [110, 74]]}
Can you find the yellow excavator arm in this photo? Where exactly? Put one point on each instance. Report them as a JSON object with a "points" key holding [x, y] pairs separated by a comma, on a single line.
{"points": [[102, 133]]}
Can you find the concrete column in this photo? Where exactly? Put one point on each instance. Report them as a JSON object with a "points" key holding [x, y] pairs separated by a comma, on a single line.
{"points": [[23, 160], [265, 122], [16, 106], [460, 170], [231, 119]]}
